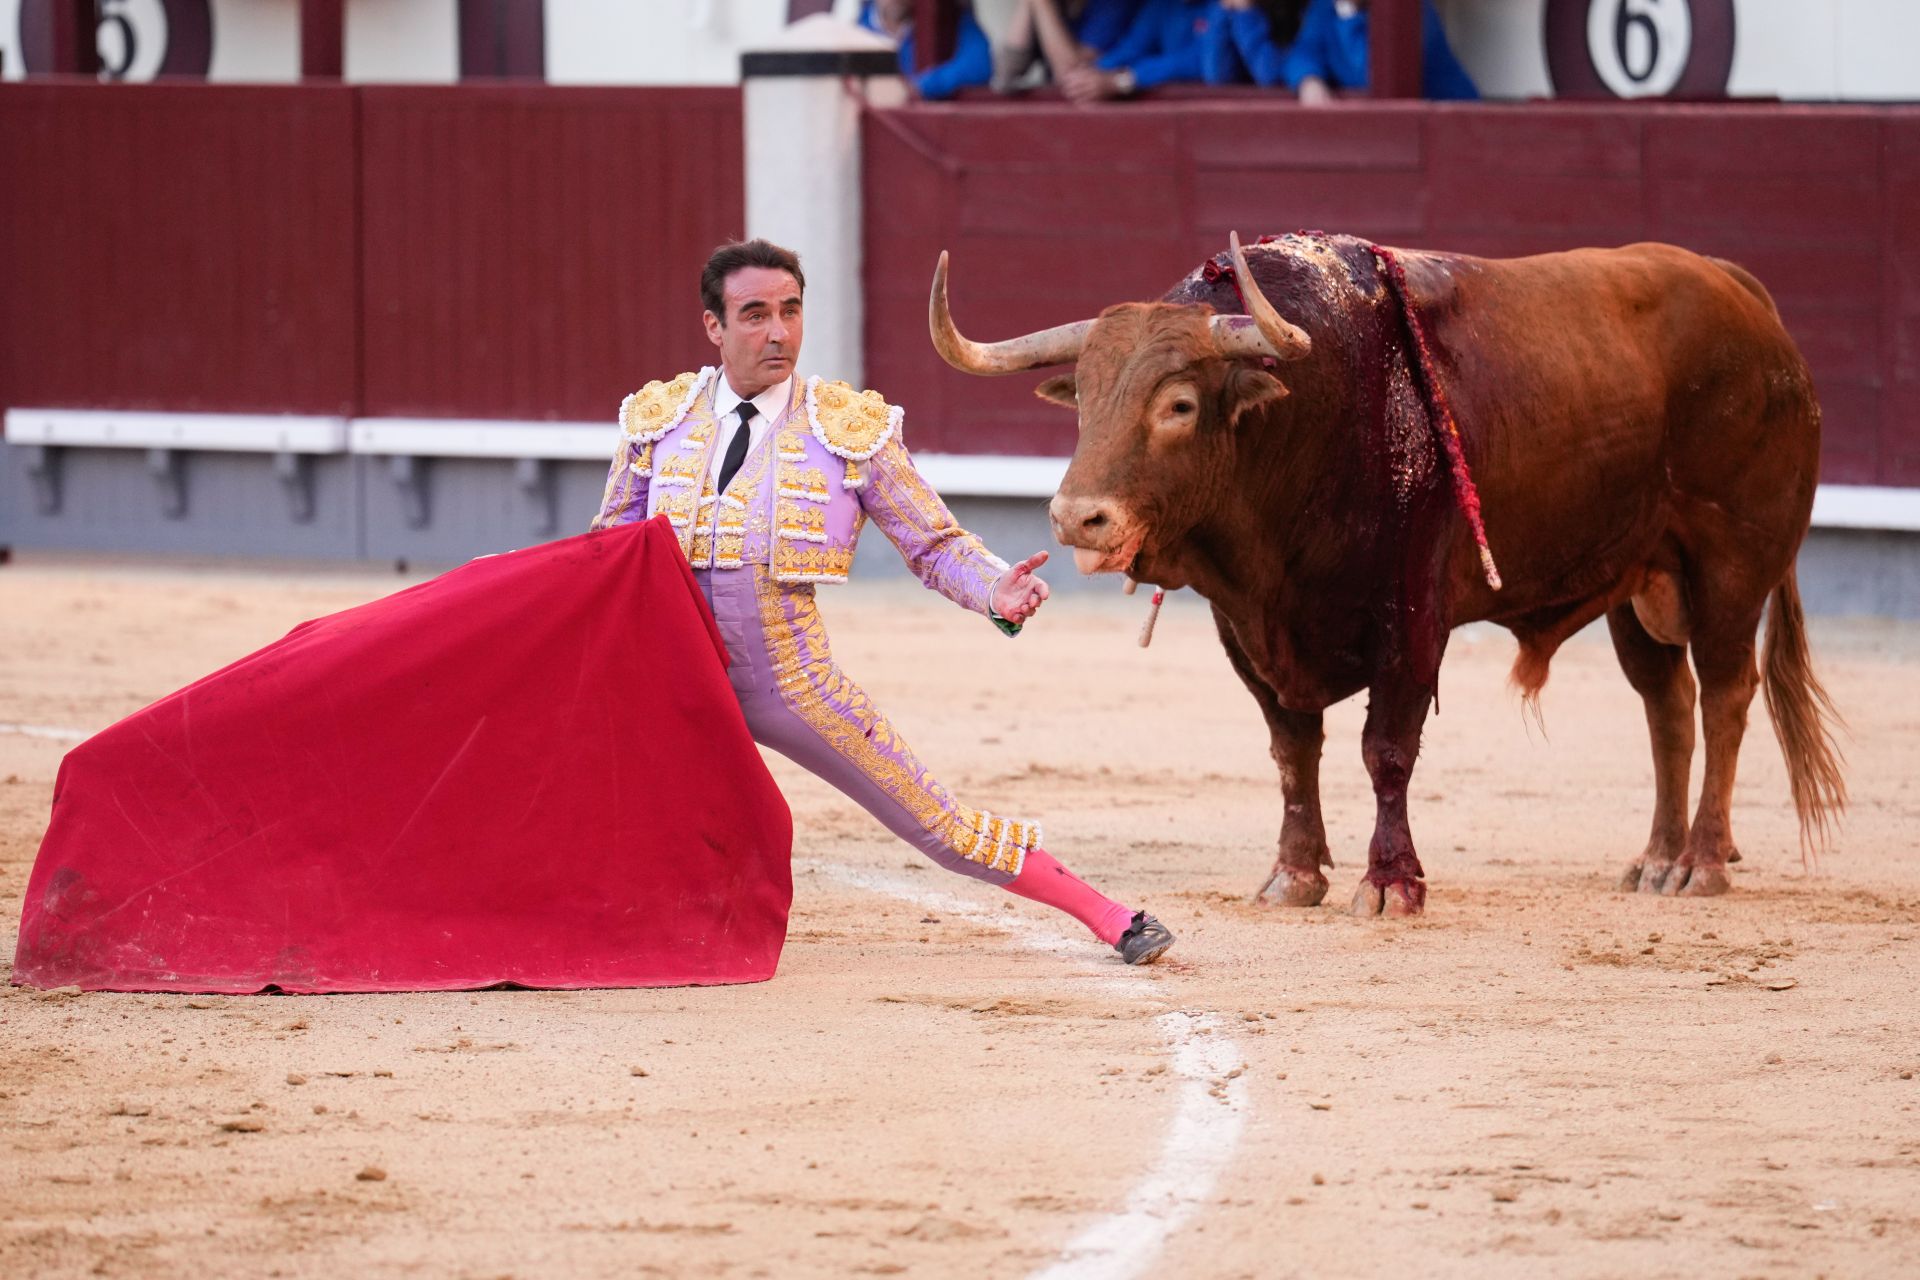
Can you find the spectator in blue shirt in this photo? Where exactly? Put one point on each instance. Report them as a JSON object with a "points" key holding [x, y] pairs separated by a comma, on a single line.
{"points": [[1331, 53], [1065, 33], [1162, 45], [972, 61], [1248, 40]]}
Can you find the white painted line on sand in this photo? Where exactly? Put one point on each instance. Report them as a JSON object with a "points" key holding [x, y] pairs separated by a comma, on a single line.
{"points": [[1031, 935], [54, 731], [1208, 1117], [1206, 1127]]}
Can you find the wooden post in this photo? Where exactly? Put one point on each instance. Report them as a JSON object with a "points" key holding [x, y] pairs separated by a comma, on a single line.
{"points": [[72, 34], [1393, 49], [322, 39], [936, 27], [503, 39]]}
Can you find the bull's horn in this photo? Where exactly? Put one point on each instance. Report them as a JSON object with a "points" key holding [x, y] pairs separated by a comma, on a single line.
{"points": [[1240, 336], [1060, 345], [1288, 341]]}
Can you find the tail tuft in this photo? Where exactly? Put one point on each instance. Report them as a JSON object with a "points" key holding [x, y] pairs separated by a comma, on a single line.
{"points": [[1531, 667], [1806, 722]]}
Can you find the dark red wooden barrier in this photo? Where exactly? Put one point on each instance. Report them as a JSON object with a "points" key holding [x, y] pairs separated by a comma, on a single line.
{"points": [[530, 252], [1053, 212], [534, 252], [177, 247], [494, 252]]}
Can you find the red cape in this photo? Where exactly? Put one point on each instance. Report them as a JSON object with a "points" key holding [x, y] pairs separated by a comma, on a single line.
{"points": [[528, 770]]}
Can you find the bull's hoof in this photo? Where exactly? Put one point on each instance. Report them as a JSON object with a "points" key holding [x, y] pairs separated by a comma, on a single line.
{"points": [[1655, 876], [1630, 878], [1293, 887], [1407, 898], [1396, 898], [1704, 882], [1677, 879]]}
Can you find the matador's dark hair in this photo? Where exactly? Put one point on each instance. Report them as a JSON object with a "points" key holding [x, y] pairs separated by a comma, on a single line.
{"points": [[729, 258]]}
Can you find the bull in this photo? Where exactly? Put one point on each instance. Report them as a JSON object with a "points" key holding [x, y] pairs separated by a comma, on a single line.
{"points": [[1644, 438]]}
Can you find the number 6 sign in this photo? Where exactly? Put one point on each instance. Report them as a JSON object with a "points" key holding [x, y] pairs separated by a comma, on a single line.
{"points": [[1639, 48], [137, 39]]}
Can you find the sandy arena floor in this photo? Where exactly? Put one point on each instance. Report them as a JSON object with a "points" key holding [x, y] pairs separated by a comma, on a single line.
{"points": [[1542, 1077]]}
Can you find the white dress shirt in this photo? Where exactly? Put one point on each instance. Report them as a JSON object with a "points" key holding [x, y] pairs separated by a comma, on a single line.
{"points": [[726, 405]]}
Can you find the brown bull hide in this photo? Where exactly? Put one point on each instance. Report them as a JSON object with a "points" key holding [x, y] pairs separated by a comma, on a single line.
{"points": [[1645, 439]]}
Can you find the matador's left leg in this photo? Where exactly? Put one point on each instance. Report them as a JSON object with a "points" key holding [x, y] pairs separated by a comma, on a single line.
{"points": [[798, 702]]}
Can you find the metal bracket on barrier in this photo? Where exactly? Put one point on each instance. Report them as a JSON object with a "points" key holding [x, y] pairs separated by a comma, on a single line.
{"points": [[169, 472], [410, 474], [535, 478], [295, 473], [43, 466]]}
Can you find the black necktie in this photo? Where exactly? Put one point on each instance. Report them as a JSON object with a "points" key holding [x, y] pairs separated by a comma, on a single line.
{"points": [[737, 447]]}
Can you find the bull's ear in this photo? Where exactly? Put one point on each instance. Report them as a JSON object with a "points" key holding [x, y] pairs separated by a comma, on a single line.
{"points": [[1062, 390], [1248, 389]]}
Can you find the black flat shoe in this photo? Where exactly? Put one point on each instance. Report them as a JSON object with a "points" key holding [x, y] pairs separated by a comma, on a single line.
{"points": [[1144, 941]]}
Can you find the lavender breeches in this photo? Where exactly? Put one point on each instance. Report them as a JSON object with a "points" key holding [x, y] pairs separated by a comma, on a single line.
{"points": [[797, 701]]}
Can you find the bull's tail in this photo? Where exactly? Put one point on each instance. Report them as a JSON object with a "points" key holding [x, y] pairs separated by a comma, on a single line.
{"points": [[1805, 720]]}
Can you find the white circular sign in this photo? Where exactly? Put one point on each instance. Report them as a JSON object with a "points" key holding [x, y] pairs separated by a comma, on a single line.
{"points": [[1640, 47]]}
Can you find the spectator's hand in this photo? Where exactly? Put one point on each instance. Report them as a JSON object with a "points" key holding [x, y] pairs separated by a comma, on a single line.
{"points": [[1090, 84], [1241, 5], [1314, 92], [1018, 594]]}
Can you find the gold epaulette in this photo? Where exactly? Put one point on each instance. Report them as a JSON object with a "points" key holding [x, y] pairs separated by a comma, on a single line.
{"points": [[853, 425], [651, 412]]}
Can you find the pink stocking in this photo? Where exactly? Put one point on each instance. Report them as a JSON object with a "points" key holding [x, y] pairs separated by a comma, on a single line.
{"points": [[1043, 879]]}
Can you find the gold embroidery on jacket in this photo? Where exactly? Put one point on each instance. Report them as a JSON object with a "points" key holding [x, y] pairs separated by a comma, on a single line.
{"points": [[851, 424], [801, 522], [621, 479], [655, 409], [731, 518], [808, 485], [965, 570], [682, 498], [645, 417], [800, 499], [795, 561], [680, 469]]}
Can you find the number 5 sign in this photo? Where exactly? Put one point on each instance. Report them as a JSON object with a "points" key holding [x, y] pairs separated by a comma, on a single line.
{"points": [[1639, 48]]}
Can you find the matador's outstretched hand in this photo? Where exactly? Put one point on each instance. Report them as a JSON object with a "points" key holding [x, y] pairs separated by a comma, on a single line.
{"points": [[1018, 594]]}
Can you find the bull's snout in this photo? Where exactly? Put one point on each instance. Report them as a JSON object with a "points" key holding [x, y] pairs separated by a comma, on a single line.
{"points": [[1081, 522], [1097, 529]]}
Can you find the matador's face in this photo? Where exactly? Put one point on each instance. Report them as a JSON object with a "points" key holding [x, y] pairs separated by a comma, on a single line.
{"points": [[759, 339]]}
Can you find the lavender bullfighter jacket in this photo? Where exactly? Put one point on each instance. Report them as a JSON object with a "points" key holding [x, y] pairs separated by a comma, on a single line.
{"points": [[832, 461]]}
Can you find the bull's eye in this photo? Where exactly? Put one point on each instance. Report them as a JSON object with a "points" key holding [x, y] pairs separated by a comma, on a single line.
{"points": [[1182, 406]]}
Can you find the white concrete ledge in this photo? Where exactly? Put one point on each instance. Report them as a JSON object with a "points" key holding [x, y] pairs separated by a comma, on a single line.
{"points": [[984, 475], [479, 438], [1835, 506], [218, 432], [1865, 506]]}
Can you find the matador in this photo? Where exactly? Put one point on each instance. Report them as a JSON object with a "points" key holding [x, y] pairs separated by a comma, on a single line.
{"points": [[767, 479]]}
